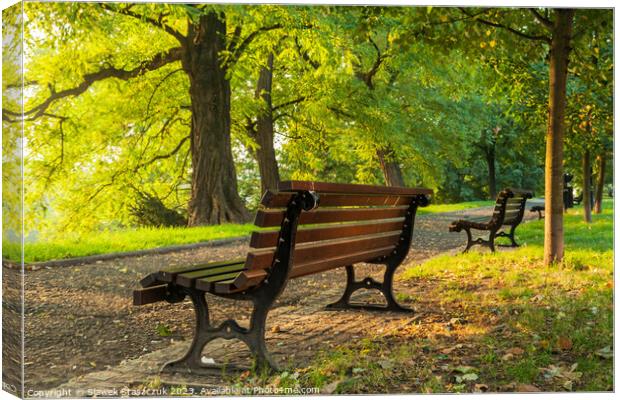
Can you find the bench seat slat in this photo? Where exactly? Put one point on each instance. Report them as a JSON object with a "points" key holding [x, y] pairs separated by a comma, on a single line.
{"points": [[272, 199], [169, 274], [304, 235], [322, 216], [187, 279], [207, 283], [149, 295], [305, 253]]}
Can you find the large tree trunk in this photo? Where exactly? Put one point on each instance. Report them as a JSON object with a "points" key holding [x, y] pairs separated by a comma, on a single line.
{"points": [[587, 180], [600, 183], [214, 198], [491, 167], [265, 154], [391, 169], [558, 67]]}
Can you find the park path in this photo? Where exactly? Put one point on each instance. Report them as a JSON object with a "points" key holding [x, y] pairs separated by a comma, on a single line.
{"points": [[82, 331]]}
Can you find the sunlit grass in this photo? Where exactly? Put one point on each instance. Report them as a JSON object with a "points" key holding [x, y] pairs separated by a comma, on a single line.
{"points": [[79, 245]]}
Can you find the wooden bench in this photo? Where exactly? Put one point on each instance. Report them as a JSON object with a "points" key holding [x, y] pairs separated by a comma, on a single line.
{"points": [[508, 211], [348, 224]]}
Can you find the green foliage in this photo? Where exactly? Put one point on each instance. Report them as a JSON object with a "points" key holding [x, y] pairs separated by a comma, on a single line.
{"points": [[426, 85]]}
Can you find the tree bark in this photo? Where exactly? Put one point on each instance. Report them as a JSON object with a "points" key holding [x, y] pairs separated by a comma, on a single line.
{"points": [[391, 169], [558, 67], [587, 180], [214, 197], [265, 153], [600, 183], [490, 153]]}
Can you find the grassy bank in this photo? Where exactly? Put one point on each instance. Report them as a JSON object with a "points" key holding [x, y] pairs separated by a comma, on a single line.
{"points": [[489, 323], [120, 241], [80, 245]]}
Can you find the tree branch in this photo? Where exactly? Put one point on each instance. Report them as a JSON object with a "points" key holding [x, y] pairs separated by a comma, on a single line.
{"points": [[508, 28], [163, 156], [304, 54], [238, 50], [155, 22], [288, 103], [546, 23], [156, 62], [148, 105]]}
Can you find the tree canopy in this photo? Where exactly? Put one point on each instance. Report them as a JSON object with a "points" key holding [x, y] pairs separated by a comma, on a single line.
{"points": [[194, 110]]}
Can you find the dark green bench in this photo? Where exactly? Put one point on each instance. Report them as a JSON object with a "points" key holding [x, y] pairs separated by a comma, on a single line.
{"points": [[508, 212], [347, 224]]}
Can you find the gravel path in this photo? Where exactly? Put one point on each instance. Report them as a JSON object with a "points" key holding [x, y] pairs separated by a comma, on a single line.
{"points": [[79, 320]]}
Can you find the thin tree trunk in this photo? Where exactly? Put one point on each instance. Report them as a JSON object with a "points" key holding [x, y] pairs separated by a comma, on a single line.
{"points": [[558, 67], [214, 198], [600, 183], [587, 180], [265, 153], [391, 170], [491, 168]]}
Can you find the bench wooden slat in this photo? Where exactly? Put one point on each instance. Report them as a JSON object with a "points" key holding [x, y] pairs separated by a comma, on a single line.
{"points": [[326, 249], [272, 199], [270, 238], [187, 279], [149, 295], [169, 274], [274, 218], [225, 287], [247, 279], [327, 187], [325, 264], [206, 284]]}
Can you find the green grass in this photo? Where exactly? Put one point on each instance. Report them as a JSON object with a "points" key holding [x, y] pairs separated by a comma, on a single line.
{"points": [[525, 324], [442, 208], [79, 245]]}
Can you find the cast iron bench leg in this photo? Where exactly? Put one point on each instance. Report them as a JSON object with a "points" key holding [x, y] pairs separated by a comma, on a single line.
{"points": [[384, 287], [510, 236], [253, 337]]}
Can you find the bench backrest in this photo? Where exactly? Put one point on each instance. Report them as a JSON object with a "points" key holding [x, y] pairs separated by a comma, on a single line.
{"points": [[353, 223], [510, 206]]}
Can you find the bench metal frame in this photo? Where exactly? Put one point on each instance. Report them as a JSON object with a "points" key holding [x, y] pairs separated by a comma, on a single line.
{"points": [[262, 298], [391, 262]]}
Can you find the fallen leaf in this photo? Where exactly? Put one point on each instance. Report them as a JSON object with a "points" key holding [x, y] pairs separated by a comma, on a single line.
{"points": [[517, 351], [331, 387], [470, 377], [464, 369], [508, 357], [568, 385], [524, 387], [276, 329], [606, 352], [481, 387], [564, 343]]}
